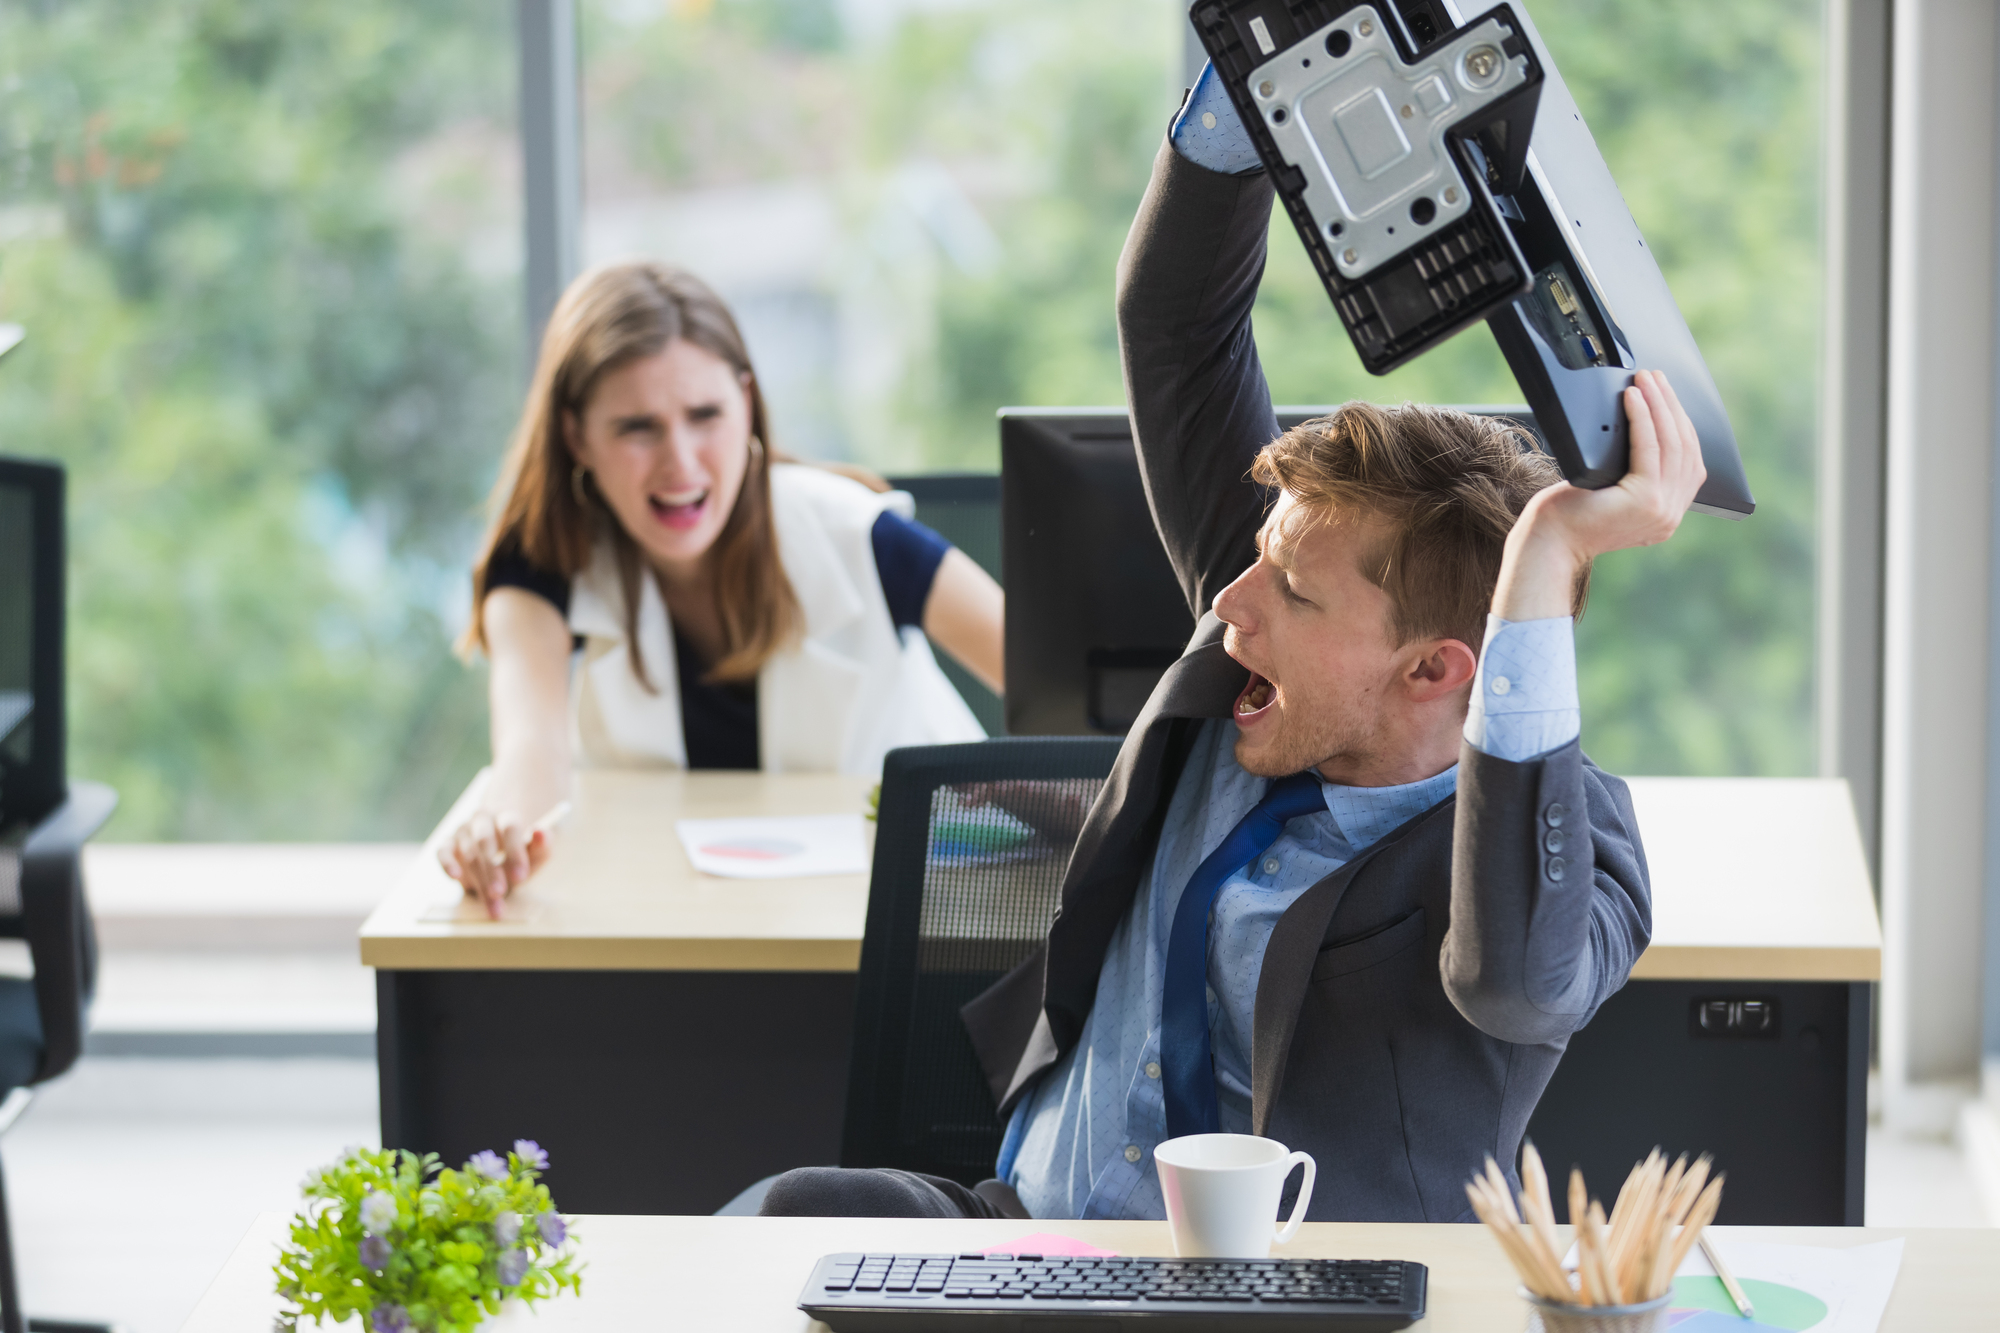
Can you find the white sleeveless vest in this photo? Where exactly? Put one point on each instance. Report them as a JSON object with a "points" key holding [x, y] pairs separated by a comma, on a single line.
{"points": [[834, 702]]}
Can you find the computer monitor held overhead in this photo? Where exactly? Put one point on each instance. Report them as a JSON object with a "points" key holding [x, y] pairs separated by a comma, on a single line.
{"points": [[1438, 172]]}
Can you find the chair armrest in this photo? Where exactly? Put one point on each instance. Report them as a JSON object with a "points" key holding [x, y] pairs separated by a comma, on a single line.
{"points": [[55, 920]]}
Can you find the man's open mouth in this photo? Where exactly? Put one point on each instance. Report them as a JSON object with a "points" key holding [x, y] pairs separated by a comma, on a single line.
{"points": [[1257, 696]]}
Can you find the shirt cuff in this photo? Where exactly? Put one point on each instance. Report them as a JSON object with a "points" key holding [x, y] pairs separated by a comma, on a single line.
{"points": [[1208, 132], [1524, 702]]}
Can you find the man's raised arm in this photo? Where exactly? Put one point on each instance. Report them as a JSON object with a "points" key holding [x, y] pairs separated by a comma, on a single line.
{"points": [[1550, 899], [1200, 407]]}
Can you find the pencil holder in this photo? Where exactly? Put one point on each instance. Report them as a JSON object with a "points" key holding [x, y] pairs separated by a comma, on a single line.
{"points": [[1545, 1316]]}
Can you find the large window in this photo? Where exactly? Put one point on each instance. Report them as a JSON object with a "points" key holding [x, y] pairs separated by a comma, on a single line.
{"points": [[268, 256], [914, 206]]}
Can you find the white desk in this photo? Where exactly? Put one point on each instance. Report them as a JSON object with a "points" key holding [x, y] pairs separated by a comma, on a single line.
{"points": [[1758, 878], [744, 1274], [619, 893], [638, 979]]}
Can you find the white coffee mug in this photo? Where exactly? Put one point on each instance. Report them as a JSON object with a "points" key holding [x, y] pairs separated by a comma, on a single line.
{"points": [[1222, 1194]]}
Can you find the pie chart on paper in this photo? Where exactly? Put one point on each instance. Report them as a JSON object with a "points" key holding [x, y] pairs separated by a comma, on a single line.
{"points": [[1791, 1288], [753, 848], [1702, 1305], [776, 847]]}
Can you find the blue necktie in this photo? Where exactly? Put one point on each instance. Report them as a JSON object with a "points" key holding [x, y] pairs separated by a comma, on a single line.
{"points": [[1189, 1066]]}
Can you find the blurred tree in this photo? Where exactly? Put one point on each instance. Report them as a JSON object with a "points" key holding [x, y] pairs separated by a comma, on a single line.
{"points": [[278, 385]]}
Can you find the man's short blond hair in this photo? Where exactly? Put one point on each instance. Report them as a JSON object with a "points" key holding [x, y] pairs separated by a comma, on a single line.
{"points": [[1446, 487]]}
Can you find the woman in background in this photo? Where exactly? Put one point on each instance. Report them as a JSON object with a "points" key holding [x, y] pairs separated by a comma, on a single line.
{"points": [[659, 590]]}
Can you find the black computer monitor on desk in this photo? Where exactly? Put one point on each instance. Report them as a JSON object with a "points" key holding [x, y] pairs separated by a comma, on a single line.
{"points": [[1094, 612], [32, 779]]}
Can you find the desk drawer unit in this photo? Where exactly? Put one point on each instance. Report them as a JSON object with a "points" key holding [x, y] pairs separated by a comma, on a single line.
{"points": [[1770, 1077]]}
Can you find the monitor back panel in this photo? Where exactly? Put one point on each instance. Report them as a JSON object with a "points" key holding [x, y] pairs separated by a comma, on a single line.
{"points": [[31, 641], [1094, 612]]}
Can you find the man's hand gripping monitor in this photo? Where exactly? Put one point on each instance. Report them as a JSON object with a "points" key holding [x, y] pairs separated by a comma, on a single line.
{"points": [[1438, 172]]}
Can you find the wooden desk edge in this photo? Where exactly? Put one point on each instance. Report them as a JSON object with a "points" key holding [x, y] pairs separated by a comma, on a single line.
{"points": [[584, 953], [445, 948], [1710, 962]]}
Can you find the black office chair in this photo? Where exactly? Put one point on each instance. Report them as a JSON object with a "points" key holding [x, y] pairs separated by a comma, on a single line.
{"points": [[42, 1020], [970, 852]]}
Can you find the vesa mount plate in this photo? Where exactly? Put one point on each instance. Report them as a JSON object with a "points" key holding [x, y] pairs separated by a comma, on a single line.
{"points": [[1370, 115], [1387, 158]]}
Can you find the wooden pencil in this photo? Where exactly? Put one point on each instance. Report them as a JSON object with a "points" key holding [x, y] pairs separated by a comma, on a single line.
{"points": [[1628, 1258]]}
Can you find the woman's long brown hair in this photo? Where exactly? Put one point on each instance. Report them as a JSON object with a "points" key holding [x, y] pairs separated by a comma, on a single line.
{"points": [[608, 318]]}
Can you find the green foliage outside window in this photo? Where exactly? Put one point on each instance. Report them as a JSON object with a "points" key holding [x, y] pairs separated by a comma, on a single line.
{"points": [[242, 237], [268, 255]]}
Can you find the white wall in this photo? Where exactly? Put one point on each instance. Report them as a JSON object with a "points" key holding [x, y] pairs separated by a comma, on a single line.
{"points": [[1938, 545]]}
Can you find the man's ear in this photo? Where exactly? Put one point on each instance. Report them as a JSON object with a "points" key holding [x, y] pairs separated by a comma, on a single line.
{"points": [[1444, 667]]}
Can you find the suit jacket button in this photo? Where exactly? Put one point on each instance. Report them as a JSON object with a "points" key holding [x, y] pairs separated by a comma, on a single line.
{"points": [[1556, 867], [1554, 842], [1554, 814]]}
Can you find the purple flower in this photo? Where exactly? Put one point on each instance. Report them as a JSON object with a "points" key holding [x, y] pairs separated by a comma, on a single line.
{"points": [[513, 1266], [389, 1319], [507, 1229], [374, 1252], [487, 1164], [378, 1211], [532, 1154], [552, 1227]]}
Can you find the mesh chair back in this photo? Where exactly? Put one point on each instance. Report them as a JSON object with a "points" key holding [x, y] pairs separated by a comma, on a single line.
{"points": [[970, 850]]}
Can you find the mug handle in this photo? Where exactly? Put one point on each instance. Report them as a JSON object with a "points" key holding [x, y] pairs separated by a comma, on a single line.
{"points": [[1291, 1227]]}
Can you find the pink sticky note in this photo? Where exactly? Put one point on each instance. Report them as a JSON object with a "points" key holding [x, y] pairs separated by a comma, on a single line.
{"points": [[1043, 1243]]}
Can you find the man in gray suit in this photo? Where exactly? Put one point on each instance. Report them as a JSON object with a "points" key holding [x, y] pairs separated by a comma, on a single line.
{"points": [[1351, 884]]}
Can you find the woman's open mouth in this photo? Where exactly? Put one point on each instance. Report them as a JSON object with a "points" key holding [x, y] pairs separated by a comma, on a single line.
{"points": [[1257, 698], [679, 515]]}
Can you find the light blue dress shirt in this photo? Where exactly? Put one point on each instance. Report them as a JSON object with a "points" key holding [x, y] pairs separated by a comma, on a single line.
{"points": [[1080, 1143], [1209, 133]]}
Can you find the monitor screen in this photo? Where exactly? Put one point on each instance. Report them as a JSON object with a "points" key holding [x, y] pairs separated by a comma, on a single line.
{"points": [[1095, 615], [31, 610]]}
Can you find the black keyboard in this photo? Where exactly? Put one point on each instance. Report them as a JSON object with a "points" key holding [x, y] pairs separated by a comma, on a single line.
{"points": [[1001, 1293]]}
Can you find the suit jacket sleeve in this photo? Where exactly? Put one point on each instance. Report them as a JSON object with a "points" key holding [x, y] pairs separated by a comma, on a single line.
{"points": [[1200, 407], [1550, 903]]}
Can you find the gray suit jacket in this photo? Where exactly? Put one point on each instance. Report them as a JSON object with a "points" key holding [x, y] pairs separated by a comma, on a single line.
{"points": [[1412, 1005]]}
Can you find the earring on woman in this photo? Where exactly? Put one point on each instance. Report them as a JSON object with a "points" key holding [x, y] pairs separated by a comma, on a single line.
{"points": [[576, 476]]}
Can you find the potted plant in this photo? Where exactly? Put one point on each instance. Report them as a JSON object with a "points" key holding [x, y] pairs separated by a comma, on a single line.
{"points": [[412, 1248]]}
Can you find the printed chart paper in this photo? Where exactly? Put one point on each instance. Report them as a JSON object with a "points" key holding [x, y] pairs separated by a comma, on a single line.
{"points": [[1792, 1288], [776, 847], [1797, 1288]]}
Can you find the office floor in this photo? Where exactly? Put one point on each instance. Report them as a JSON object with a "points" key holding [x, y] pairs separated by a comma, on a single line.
{"points": [[131, 1180]]}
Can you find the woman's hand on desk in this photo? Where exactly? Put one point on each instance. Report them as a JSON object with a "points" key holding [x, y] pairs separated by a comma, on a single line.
{"points": [[491, 853]]}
